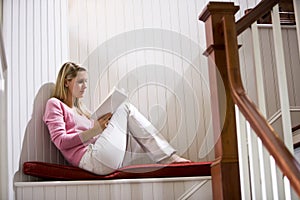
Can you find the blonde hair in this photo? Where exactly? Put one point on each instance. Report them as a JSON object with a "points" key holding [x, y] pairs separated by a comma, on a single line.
{"points": [[67, 72]]}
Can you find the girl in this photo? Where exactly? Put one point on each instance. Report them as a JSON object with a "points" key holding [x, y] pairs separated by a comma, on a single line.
{"points": [[98, 146]]}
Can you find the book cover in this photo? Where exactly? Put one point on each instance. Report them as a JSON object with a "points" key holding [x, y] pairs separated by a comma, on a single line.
{"points": [[109, 105]]}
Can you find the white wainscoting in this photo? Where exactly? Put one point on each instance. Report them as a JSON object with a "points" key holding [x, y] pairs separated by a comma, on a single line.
{"points": [[166, 188], [36, 43]]}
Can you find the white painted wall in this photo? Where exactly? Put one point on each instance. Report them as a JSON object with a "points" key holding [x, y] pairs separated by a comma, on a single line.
{"points": [[36, 42], [148, 189], [153, 49]]}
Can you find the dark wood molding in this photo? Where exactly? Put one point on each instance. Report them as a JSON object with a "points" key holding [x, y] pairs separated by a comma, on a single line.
{"points": [[296, 128], [254, 14], [225, 169], [221, 30], [212, 48], [271, 140], [296, 145]]}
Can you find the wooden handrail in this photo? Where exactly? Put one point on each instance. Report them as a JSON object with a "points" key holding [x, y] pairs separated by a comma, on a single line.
{"points": [[296, 128], [284, 159], [221, 38], [247, 20], [297, 144]]}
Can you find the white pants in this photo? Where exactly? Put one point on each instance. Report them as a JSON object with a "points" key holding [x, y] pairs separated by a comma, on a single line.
{"points": [[126, 134]]}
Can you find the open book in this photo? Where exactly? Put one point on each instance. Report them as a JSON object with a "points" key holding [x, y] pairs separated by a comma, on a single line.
{"points": [[109, 105]]}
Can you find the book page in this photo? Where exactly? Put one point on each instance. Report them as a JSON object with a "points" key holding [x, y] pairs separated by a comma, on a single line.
{"points": [[109, 105]]}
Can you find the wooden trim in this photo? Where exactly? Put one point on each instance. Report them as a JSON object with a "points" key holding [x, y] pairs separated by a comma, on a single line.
{"points": [[247, 20], [295, 128], [212, 48], [283, 157], [225, 169], [217, 8], [221, 29]]}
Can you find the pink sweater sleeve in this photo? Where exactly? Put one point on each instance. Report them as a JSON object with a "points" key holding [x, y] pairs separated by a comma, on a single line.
{"points": [[61, 125]]}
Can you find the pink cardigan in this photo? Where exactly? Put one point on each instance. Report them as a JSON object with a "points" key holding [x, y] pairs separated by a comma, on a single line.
{"points": [[65, 126]]}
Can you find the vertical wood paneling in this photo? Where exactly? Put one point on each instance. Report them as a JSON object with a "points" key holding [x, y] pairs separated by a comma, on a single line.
{"points": [[19, 194], [35, 41], [27, 193], [50, 193], [136, 192], [158, 188], [104, 191], [270, 77], [81, 192], [93, 192], [71, 192], [247, 65], [189, 100], [163, 95], [115, 191], [37, 45], [155, 189], [29, 69], [125, 191], [22, 71], [288, 60], [292, 65], [5, 179], [37, 193], [60, 27], [108, 19], [44, 40], [14, 140]]}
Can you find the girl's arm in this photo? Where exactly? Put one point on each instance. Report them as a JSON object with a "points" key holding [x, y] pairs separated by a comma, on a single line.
{"points": [[98, 128]]}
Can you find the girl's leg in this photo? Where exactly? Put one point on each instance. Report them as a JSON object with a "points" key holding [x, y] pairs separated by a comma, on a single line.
{"points": [[135, 153], [107, 154], [130, 133], [152, 142]]}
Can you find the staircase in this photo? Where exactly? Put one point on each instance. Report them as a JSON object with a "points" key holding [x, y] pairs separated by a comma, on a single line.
{"points": [[240, 112]]}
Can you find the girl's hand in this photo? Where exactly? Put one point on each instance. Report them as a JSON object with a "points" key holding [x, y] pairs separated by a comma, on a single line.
{"points": [[99, 126], [104, 120]]}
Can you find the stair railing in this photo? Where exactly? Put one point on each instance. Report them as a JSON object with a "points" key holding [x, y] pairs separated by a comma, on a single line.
{"points": [[221, 34]]}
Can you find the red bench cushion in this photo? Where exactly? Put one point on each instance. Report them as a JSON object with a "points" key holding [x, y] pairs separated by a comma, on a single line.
{"points": [[51, 171]]}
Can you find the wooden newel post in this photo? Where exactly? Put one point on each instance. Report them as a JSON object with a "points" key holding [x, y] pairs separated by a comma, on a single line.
{"points": [[225, 169]]}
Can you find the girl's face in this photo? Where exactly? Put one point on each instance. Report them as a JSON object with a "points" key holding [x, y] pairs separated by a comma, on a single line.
{"points": [[78, 85]]}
